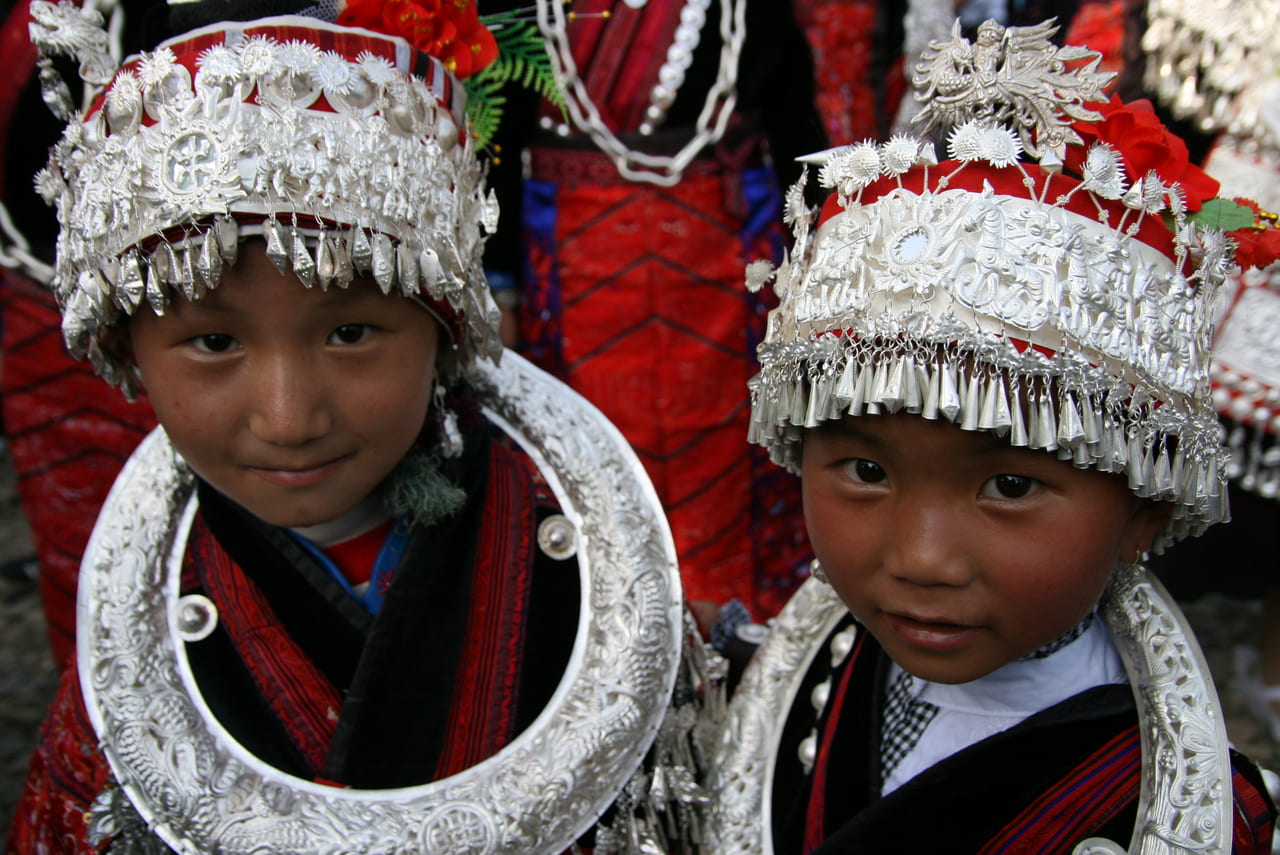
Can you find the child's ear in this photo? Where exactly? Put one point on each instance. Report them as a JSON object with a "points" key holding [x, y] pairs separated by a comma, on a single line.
{"points": [[1148, 520]]}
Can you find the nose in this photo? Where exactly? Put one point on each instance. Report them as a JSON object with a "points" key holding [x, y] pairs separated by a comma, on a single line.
{"points": [[289, 405], [928, 545]]}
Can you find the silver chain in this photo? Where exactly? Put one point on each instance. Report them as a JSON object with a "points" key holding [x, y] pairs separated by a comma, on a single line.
{"points": [[635, 165]]}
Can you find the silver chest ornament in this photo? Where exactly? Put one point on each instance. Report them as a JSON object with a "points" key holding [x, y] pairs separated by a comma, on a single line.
{"points": [[183, 777], [1185, 805]]}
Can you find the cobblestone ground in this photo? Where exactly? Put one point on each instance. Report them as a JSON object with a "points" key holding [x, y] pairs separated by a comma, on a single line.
{"points": [[28, 679]]}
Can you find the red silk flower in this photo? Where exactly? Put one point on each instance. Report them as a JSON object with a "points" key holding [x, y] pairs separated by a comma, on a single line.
{"points": [[449, 30], [1256, 246], [1134, 130]]}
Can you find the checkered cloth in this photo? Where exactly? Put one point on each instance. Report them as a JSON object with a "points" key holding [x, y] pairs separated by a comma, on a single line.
{"points": [[905, 718]]}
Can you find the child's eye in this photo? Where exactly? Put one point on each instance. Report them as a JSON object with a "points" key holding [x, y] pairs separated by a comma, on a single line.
{"points": [[215, 343], [1008, 486], [349, 334], [863, 471]]}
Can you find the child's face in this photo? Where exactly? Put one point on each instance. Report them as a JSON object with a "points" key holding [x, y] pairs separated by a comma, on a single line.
{"points": [[293, 402], [957, 551]]}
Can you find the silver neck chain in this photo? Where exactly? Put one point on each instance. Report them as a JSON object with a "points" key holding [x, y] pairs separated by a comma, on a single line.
{"points": [[712, 121]]}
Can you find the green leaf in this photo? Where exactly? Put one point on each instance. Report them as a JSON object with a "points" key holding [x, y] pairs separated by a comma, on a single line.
{"points": [[522, 60], [1224, 215]]}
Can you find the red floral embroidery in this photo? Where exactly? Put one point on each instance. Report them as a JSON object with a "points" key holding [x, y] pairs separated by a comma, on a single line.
{"points": [[449, 30]]}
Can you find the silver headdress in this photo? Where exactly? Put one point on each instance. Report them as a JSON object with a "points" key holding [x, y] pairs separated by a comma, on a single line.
{"points": [[1065, 304], [1217, 63], [345, 149], [1210, 60]]}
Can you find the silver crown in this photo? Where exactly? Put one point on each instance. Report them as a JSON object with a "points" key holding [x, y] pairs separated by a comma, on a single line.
{"points": [[317, 137], [1003, 296], [1210, 61]]}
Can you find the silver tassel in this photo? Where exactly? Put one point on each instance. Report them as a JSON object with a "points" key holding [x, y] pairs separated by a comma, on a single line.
{"points": [[227, 231], [1137, 468], [799, 402], [930, 408], [186, 275], [1162, 481], [845, 388], [1092, 430], [1178, 474], [987, 410], [343, 270], [209, 262], [384, 268], [911, 397], [156, 294], [1003, 420], [275, 245], [326, 267], [304, 266], [1017, 424], [949, 395], [1119, 449], [407, 270], [1080, 455], [972, 403], [1070, 428], [875, 393], [1048, 427], [858, 399], [1105, 448], [816, 399], [892, 396], [130, 286], [361, 250], [432, 273]]}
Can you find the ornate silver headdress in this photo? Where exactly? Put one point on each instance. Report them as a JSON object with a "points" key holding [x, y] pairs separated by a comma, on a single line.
{"points": [[345, 149], [1217, 62], [1208, 60], [1065, 304]]}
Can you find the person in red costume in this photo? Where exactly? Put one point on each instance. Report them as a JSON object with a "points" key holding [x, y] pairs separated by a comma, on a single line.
{"points": [[634, 211], [374, 584]]}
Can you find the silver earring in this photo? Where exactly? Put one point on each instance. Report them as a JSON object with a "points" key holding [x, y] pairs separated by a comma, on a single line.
{"points": [[450, 434]]}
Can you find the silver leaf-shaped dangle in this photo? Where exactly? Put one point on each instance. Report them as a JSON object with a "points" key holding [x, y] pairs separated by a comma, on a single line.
{"points": [[276, 250], [209, 260], [130, 286], [185, 274], [326, 266], [972, 403], [383, 262], [228, 236], [949, 393], [304, 266], [157, 294], [407, 270], [361, 250]]}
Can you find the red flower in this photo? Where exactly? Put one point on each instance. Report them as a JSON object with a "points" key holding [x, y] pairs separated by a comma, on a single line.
{"points": [[1145, 144], [449, 30], [1256, 246]]}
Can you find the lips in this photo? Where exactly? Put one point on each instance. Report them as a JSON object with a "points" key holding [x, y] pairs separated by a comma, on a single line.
{"points": [[298, 476], [930, 634]]}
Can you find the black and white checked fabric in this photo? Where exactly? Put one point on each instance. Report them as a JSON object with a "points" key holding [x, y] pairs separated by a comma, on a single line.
{"points": [[905, 718]]}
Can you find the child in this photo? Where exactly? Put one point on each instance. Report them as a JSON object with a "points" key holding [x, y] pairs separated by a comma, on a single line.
{"points": [[333, 579], [992, 377]]}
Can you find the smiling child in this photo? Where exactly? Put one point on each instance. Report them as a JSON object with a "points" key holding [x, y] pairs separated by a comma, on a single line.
{"points": [[991, 374], [336, 602]]}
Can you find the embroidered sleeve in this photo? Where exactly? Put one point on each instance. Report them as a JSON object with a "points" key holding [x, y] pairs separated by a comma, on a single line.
{"points": [[67, 773]]}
